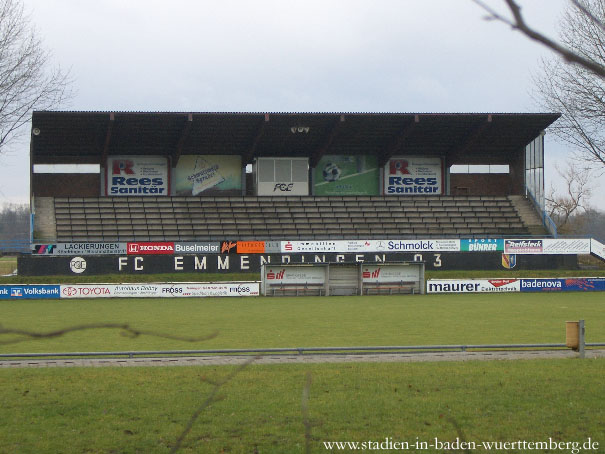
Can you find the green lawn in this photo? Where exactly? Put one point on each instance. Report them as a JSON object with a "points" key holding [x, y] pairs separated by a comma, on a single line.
{"points": [[143, 410], [307, 321]]}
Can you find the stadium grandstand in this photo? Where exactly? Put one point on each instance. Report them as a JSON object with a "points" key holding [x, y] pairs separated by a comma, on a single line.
{"points": [[166, 176]]}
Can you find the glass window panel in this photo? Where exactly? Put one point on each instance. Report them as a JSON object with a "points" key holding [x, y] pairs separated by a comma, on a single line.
{"points": [[300, 171], [283, 170], [266, 172]]}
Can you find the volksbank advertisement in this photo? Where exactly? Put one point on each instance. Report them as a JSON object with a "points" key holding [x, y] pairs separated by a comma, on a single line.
{"points": [[29, 291], [414, 175], [206, 175], [137, 176], [346, 175]]}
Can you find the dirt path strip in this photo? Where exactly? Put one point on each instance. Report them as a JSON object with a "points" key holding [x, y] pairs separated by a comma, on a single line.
{"points": [[300, 359]]}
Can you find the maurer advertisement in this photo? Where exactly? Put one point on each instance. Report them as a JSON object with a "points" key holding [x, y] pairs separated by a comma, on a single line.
{"points": [[208, 175], [346, 175], [137, 176], [414, 175]]}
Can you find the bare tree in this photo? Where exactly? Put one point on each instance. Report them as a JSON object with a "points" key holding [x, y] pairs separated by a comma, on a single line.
{"points": [[27, 79], [574, 198], [576, 90]]}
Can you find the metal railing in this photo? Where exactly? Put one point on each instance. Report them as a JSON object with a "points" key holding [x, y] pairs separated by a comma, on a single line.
{"points": [[15, 246], [547, 222], [300, 351]]}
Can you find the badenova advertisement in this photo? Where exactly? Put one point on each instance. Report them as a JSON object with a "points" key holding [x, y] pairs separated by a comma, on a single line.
{"points": [[208, 175], [346, 175], [137, 176], [414, 175]]}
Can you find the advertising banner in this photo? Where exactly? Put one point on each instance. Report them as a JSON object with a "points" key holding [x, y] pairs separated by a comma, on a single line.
{"points": [[250, 247], [523, 246], [563, 285], [207, 175], [597, 248], [167, 290], [346, 175], [482, 245], [43, 248], [295, 275], [196, 247], [445, 245], [150, 248], [90, 249], [29, 291], [137, 176], [472, 285], [414, 175], [390, 274], [566, 246]]}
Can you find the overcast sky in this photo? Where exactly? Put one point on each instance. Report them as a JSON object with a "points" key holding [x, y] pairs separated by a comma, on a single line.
{"points": [[325, 55]]}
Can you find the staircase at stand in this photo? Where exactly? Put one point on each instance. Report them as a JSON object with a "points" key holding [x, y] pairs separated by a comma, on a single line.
{"points": [[528, 215]]}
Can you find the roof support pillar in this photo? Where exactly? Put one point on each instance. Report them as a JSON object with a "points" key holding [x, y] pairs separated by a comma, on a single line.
{"points": [[247, 158], [397, 145], [105, 151], [327, 143], [183, 137]]}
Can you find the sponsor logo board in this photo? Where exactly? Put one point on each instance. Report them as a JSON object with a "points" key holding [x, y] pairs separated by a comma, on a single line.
{"points": [[482, 245], [90, 249], [250, 247], [413, 175], [523, 246], [43, 248], [566, 246], [150, 248], [184, 289], [77, 265], [390, 273], [294, 275], [196, 247], [563, 285], [445, 245], [137, 175], [597, 248], [29, 291], [472, 285]]}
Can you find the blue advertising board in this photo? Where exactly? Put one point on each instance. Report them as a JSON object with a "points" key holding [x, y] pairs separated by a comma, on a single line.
{"points": [[563, 285], [29, 291]]}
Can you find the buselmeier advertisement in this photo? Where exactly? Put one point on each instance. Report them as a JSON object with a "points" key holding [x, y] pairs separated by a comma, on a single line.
{"points": [[137, 176], [414, 175]]}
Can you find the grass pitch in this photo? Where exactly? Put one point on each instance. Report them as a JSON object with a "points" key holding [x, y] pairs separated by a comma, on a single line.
{"points": [[306, 321], [143, 410]]}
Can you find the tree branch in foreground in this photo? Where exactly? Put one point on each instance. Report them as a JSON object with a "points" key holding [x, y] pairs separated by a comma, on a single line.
{"points": [[212, 397], [127, 330], [520, 24]]}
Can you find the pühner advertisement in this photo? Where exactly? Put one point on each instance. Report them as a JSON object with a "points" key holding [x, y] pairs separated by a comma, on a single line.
{"points": [[137, 176], [346, 175], [208, 175], [414, 175]]}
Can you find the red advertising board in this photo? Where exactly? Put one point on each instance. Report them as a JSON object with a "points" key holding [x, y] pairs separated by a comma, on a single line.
{"points": [[149, 248]]}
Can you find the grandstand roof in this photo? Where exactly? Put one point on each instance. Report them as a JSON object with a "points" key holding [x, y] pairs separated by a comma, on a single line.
{"points": [[89, 137]]}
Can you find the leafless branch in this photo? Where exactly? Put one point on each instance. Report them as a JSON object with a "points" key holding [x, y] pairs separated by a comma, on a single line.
{"points": [[212, 397], [27, 78], [127, 330], [518, 23]]}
